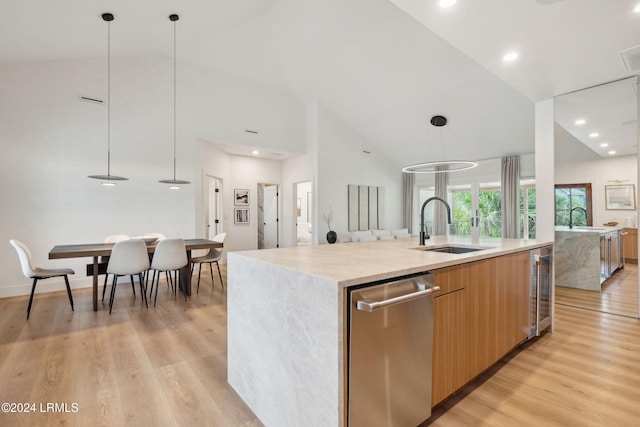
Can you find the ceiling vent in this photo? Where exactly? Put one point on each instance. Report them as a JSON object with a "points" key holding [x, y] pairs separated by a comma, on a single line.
{"points": [[631, 58]]}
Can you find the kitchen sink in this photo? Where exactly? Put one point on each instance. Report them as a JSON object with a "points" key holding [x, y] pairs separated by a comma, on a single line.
{"points": [[452, 249]]}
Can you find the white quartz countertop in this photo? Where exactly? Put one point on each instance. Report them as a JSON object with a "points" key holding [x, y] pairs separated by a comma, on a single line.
{"points": [[353, 263], [599, 230]]}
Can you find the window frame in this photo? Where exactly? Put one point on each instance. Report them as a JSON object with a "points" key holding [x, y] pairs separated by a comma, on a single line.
{"points": [[588, 196]]}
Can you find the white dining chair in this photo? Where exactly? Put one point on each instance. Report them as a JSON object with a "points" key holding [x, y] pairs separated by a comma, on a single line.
{"points": [[36, 273], [128, 258], [112, 238], [170, 255], [213, 256]]}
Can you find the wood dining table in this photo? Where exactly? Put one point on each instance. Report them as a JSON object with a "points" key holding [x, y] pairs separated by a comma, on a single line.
{"points": [[97, 250]]}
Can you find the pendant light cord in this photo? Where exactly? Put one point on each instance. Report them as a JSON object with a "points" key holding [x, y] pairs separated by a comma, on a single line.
{"points": [[108, 98], [174, 183], [174, 99]]}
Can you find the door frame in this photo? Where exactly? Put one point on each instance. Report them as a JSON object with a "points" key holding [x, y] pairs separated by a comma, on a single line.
{"points": [[206, 205]]}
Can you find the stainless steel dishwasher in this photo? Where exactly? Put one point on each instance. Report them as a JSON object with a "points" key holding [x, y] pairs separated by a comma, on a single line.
{"points": [[390, 352]]}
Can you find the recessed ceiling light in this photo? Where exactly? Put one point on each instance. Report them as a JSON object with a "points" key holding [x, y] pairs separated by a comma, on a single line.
{"points": [[510, 56], [612, 152], [604, 144], [255, 152], [580, 122], [637, 8], [594, 135], [447, 3]]}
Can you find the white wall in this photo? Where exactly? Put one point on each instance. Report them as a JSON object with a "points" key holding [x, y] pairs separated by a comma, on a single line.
{"points": [[341, 161], [51, 141], [545, 194]]}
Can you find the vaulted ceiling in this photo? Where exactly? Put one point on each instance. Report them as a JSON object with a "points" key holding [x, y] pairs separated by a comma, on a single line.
{"points": [[384, 66]]}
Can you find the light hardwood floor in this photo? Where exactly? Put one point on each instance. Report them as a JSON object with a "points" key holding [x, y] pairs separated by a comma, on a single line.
{"points": [[167, 366], [619, 294]]}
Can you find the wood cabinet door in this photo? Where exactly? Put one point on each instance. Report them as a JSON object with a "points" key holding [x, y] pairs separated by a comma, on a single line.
{"points": [[630, 245], [449, 350], [480, 316], [497, 309], [512, 309]]}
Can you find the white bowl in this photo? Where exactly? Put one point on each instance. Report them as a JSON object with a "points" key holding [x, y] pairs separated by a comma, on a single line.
{"points": [[147, 240]]}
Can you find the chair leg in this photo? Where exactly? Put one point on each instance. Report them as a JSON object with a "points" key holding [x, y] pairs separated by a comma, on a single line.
{"points": [[33, 289], [133, 286], [211, 272], [66, 281], [142, 291], [169, 281], [220, 274], [153, 282], [178, 280], [104, 288], [173, 285], [199, 271], [157, 286], [113, 291]]}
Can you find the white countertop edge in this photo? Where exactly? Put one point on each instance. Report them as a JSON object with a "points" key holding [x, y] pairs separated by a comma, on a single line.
{"points": [[382, 260]]}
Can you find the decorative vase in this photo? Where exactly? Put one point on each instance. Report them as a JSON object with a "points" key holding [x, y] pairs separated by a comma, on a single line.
{"points": [[332, 236]]}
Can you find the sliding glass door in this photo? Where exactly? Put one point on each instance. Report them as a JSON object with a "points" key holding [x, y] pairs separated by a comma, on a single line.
{"points": [[477, 208]]}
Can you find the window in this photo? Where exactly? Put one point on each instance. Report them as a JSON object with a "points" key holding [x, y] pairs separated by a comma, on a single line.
{"points": [[569, 196], [487, 208], [490, 210], [461, 207], [528, 209]]}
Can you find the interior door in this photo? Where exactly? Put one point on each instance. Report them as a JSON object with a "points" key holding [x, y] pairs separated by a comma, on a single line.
{"points": [[214, 207], [271, 216]]}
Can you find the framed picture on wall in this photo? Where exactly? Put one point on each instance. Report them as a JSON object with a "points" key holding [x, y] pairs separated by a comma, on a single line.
{"points": [[620, 197], [241, 197], [241, 215]]}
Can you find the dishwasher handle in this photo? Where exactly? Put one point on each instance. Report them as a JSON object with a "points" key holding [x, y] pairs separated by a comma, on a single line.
{"points": [[372, 306]]}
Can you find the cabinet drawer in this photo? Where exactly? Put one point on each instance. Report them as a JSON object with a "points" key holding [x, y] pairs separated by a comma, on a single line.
{"points": [[451, 279]]}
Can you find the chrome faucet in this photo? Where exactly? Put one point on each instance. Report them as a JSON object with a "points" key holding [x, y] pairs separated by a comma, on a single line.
{"points": [[423, 234], [571, 215]]}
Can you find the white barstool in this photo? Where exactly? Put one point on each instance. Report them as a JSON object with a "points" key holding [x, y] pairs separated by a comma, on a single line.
{"points": [[36, 273]]}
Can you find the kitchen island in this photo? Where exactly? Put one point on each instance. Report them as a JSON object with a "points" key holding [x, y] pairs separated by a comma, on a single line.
{"points": [[587, 256], [287, 314]]}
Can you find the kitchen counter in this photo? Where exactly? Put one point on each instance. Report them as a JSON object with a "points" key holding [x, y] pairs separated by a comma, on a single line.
{"points": [[599, 230], [349, 264], [287, 318], [578, 256]]}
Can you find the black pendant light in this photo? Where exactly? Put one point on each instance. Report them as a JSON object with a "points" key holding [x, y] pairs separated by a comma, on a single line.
{"points": [[174, 184], [108, 179]]}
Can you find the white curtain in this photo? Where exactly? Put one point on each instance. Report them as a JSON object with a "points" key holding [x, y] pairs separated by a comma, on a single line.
{"points": [[511, 196], [440, 223], [408, 182]]}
